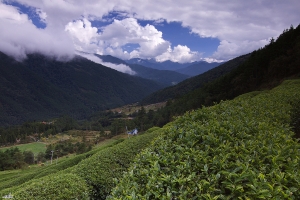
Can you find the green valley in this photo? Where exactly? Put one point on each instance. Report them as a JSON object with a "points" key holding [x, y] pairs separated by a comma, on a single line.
{"points": [[230, 133]]}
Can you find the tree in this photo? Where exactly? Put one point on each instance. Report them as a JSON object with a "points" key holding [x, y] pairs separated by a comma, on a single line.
{"points": [[41, 157], [28, 157], [18, 159], [141, 118]]}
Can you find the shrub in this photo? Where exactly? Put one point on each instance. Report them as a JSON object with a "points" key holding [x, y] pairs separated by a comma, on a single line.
{"points": [[240, 149], [63, 186], [12, 184], [100, 169]]}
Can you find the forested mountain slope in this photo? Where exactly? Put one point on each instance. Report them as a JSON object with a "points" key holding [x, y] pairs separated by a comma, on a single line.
{"points": [[163, 77], [264, 69], [198, 68], [40, 87], [193, 83], [165, 65]]}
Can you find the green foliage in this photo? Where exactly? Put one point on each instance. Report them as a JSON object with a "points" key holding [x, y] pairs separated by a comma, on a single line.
{"points": [[262, 69], [30, 132], [34, 147], [14, 182], [295, 121], [239, 149], [100, 169], [97, 168], [62, 186], [13, 158]]}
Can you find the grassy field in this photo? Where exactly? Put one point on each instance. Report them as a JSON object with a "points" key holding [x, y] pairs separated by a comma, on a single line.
{"points": [[35, 147], [132, 108], [12, 178]]}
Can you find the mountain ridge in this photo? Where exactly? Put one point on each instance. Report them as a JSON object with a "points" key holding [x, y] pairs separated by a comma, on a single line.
{"points": [[40, 87], [195, 82], [198, 68], [265, 68], [164, 77], [165, 65]]}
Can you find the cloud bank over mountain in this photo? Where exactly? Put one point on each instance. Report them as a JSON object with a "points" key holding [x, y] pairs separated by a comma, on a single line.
{"points": [[59, 28], [121, 67]]}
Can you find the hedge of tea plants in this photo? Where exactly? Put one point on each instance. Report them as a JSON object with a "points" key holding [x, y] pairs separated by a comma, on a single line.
{"points": [[62, 186], [93, 175], [16, 180], [239, 149], [100, 169]]}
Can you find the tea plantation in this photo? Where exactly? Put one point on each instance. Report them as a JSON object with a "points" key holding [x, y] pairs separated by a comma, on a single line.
{"points": [[85, 176], [239, 149]]}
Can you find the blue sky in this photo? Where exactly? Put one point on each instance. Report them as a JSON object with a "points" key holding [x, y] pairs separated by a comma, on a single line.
{"points": [[178, 35], [30, 11], [181, 31]]}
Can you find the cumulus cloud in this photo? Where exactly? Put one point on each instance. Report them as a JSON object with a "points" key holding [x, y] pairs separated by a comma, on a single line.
{"points": [[125, 31], [181, 54], [113, 37], [227, 50], [19, 36], [241, 26], [83, 34], [41, 14], [121, 67]]}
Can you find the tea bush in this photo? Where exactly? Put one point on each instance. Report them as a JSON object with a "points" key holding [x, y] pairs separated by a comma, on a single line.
{"points": [[63, 186], [17, 182], [100, 169], [239, 149], [95, 172]]}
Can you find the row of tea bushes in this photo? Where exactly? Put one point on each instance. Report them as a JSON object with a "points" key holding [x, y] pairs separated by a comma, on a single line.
{"points": [[239, 149], [100, 169], [92, 177], [60, 186], [15, 180]]}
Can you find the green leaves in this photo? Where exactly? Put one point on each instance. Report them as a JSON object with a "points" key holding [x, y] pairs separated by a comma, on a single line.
{"points": [[240, 149], [63, 186], [100, 170]]}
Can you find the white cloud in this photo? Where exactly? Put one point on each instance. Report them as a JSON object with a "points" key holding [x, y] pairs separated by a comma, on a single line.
{"points": [[227, 50], [41, 14], [244, 25], [82, 30], [121, 32], [179, 54], [121, 67], [12, 14], [19, 37], [114, 36], [241, 26]]}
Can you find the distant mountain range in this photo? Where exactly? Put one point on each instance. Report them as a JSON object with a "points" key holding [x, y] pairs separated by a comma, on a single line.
{"points": [[163, 77], [195, 82], [262, 69], [152, 63], [190, 69], [198, 68], [40, 88]]}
